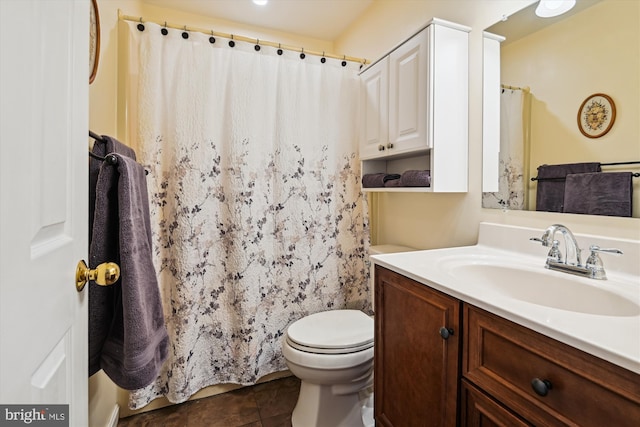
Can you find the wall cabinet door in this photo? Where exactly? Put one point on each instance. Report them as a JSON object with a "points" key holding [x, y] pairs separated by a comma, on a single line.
{"points": [[416, 369], [375, 104], [408, 94]]}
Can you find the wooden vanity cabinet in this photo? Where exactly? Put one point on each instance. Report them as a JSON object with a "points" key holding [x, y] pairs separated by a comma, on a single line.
{"points": [[483, 373], [416, 370], [504, 359]]}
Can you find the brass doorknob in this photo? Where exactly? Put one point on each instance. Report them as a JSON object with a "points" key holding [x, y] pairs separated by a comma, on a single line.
{"points": [[105, 274]]}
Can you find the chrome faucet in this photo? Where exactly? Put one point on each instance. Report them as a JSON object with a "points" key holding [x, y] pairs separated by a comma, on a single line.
{"points": [[572, 263]]}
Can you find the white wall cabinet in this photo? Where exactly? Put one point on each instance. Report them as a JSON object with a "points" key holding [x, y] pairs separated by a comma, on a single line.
{"points": [[415, 109]]}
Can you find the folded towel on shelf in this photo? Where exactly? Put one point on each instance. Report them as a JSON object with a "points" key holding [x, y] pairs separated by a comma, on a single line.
{"points": [[416, 178], [600, 193], [136, 345], [393, 182], [373, 180], [551, 182]]}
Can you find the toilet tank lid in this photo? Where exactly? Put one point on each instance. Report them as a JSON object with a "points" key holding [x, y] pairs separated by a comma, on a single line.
{"points": [[389, 249], [333, 329]]}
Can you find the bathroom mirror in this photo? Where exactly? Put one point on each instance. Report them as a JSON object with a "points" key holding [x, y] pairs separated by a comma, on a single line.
{"points": [[547, 68]]}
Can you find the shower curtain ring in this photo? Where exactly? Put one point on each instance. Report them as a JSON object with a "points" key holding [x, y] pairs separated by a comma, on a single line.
{"points": [[257, 46], [302, 55], [185, 34], [231, 42], [212, 39], [140, 26], [344, 60], [323, 59], [164, 31], [279, 49]]}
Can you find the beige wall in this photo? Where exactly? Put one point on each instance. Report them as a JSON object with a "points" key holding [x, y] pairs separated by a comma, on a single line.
{"points": [[591, 52], [419, 220]]}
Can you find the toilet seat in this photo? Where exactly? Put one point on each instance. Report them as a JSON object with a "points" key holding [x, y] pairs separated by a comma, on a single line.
{"points": [[332, 332]]}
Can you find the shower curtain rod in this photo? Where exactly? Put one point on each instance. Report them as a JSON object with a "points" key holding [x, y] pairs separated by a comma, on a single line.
{"points": [[258, 42], [524, 89]]}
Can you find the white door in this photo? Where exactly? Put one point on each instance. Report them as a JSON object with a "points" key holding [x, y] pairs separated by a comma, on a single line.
{"points": [[43, 203]]}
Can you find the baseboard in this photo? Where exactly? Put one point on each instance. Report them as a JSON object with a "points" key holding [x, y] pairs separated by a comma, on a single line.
{"points": [[115, 416]]}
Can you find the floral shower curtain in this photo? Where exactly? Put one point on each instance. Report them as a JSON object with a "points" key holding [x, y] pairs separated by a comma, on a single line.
{"points": [[511, 185], [258, 218]]}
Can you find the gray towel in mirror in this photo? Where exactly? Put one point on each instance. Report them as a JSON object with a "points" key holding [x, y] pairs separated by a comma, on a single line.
{"points": [[551, 182], [599, 193]]}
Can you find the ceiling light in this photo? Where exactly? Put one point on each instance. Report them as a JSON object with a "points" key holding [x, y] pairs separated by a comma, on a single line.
{"points": [[260, 2], [551, 8]]}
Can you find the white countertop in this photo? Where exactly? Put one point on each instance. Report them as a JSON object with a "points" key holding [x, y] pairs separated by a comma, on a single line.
{"points": [[615, 338]]}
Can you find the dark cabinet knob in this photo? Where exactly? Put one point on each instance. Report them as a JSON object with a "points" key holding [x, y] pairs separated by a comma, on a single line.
{"points": [[446, 332], [541, 387]]}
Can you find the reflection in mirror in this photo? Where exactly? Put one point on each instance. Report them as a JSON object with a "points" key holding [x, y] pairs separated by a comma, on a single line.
{"points": [[537, 74]]}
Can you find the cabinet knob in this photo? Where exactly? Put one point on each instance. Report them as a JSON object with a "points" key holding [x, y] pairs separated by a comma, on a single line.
{"points": [[380, 147], [541, 387], [390, 145], [446, 332]]}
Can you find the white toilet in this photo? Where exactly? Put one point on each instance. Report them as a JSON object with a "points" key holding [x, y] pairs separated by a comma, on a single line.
{"points": [[331, 352]]}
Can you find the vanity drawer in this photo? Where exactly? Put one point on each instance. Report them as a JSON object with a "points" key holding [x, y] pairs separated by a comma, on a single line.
{"points": [[479, 410], [503, 359]]}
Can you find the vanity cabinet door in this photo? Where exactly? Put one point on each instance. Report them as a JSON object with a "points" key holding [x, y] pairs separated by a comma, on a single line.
{"points": [[416, 369], [574, 388]]}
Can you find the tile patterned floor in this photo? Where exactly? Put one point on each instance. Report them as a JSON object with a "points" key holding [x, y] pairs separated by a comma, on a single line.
{"points": [[262, 405]]}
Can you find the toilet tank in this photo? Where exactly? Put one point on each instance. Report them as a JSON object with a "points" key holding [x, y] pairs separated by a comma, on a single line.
{"points": [[383, 249]]}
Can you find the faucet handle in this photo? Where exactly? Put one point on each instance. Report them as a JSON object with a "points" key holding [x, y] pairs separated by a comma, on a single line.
{"points": [[596, 248], [544, 240], [554, 253], [594, 262]]}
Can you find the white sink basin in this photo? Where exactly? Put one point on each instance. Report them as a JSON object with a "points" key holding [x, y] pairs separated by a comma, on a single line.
{"points": [[504, 274], [544, 288]]}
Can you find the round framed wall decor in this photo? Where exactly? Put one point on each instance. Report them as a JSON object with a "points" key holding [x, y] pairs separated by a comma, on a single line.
{"points": [[596, 115], [94, 40]]}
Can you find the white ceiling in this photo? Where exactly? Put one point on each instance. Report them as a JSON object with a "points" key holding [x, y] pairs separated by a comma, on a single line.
{"points": [[525, 21], [320, 19]]}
